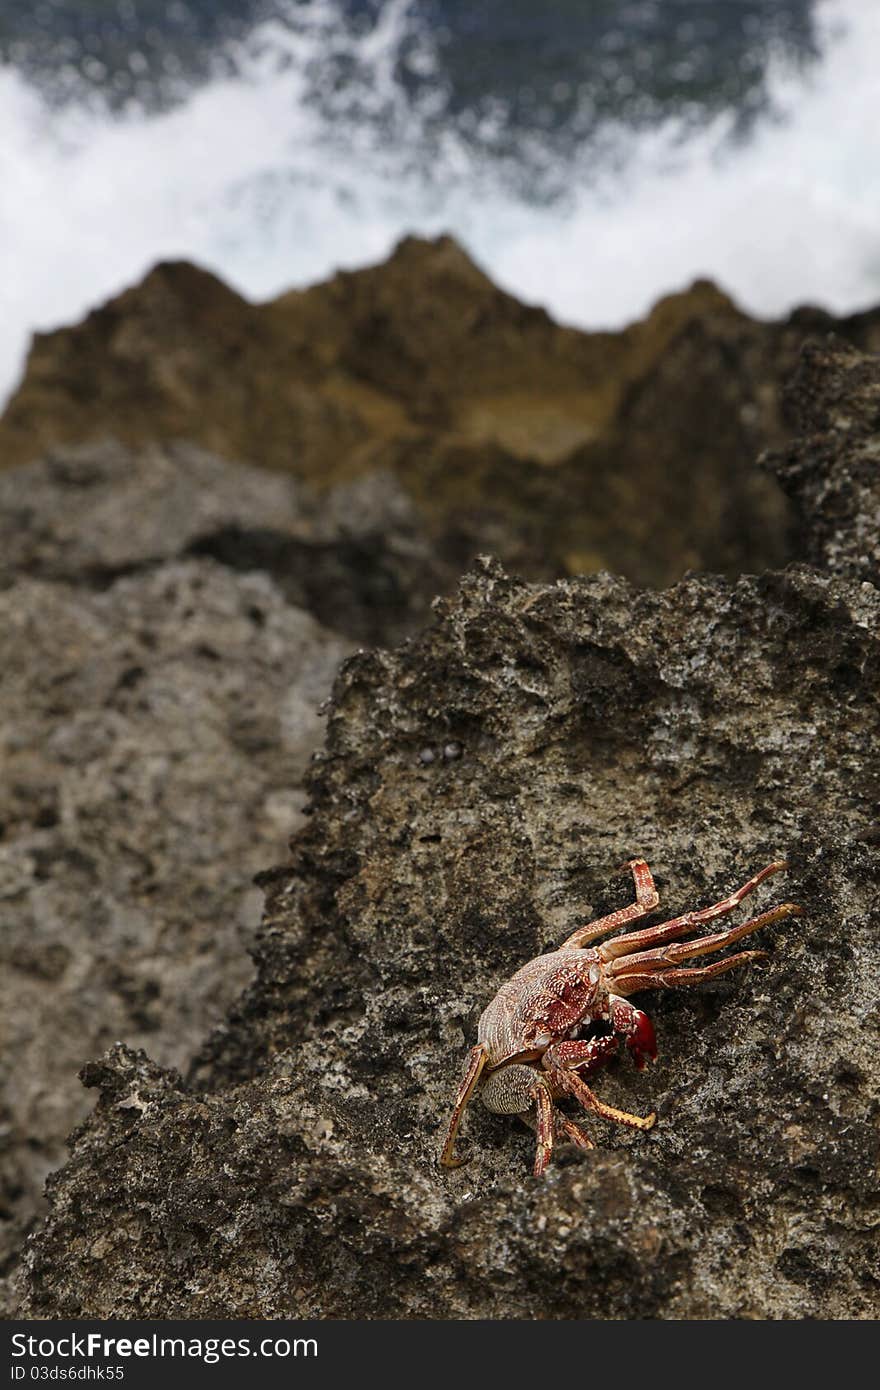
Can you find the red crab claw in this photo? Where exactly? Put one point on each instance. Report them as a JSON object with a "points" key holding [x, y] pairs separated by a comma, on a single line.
{"points": [[642, 1042]]}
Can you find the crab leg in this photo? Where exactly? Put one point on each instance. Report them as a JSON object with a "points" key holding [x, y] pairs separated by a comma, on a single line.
{"points": [[681, 978], [679, 926], [647, 898], [594, 1053], [477, 1058], [645, 962], [540, 1094], [560, 1059], [573, 1132], [551, 1125]]}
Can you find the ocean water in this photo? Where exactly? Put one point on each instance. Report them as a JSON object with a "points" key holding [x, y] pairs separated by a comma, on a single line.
{"points": [[590, 157]]}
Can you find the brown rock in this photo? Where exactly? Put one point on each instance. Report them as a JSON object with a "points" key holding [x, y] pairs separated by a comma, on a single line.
{"points": [[561, 451], [832, 470]]}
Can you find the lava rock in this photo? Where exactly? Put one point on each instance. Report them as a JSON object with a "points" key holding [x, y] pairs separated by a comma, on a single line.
{"points": [[832, 470], [154, 741], [562, 452], [355, 556], [712, 727]]}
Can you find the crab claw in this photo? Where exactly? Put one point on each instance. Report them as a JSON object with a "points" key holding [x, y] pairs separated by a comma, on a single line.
{"points": [[642, 1042]]}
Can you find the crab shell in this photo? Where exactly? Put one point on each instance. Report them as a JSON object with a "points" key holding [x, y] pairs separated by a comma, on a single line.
{"points": [[550, 998]]}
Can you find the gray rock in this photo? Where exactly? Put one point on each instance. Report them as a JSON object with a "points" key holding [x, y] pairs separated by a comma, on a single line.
{"points": [[353, 555], [153, 746], [93, 512], [711, 727], [832, 471]]}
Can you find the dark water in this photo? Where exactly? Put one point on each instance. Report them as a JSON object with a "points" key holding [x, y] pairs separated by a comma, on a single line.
{"points": [[519, 65]]}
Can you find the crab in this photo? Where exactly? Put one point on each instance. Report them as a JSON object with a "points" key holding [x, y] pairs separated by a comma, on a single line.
{"points": [[531, 1050]]}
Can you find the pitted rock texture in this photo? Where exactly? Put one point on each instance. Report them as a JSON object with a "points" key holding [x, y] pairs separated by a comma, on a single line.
{"points": [[476, 790], [832, 471], [153, 745], [355, 556], [593, 723]]}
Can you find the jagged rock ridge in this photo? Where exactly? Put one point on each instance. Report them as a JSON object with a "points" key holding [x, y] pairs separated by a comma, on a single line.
{"points": [[562, 452]]}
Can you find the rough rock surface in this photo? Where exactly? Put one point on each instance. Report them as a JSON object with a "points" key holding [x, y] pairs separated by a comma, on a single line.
{"points": [[159, 713], [477, 788], [355, 557], [832, 471], [562, 452]]}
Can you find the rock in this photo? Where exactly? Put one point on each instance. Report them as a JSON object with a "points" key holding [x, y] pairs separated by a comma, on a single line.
{"points": [[563, 452], [154, 740], [180, 356], [354, 557], [832, 471], [711, 727], [141, 693], [92, 513]]}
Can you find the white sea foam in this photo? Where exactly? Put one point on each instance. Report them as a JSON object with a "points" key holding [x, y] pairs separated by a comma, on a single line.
{"points": [[247, 178]]}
